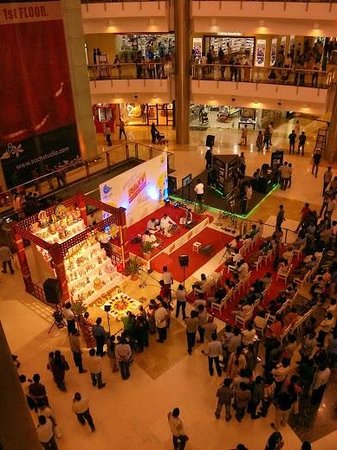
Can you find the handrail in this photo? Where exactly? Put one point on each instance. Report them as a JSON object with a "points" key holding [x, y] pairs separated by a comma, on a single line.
{"points": [[272, 75], [135, 70]]}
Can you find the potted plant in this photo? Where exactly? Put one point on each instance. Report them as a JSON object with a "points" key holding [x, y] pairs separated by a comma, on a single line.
{"points": [[78, 308], [132, 268], [146, 249]]}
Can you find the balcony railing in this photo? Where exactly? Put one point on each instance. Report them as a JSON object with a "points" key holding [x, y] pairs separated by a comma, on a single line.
{"points": [[118, 1], [130, 71], [270, 75]]}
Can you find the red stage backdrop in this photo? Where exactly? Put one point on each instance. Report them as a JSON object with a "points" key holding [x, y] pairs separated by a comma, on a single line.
{"points": [[37, 118]]}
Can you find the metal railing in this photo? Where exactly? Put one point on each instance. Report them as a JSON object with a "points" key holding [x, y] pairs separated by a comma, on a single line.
{"points": [[271, 75], [50, 183], [267, 1], [130, 71]]}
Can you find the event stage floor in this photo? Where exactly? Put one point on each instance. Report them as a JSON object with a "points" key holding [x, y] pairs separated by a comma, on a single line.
{"points": [[168, 244], [214, 199]]}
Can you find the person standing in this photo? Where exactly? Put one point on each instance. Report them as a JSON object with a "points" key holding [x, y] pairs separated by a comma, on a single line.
{"points": [[283, 405], [167, 278], [259, 141], [58, 366], [327, 177], [280, 218], [70, 317], [181, 301], [123, 354], [45, 433], [81, 409], [214, 351], [160, 316], [99, 334], [6, 258], [202, 316], [297, 128], [301, 143], [292, 140], [75, 346], [177, 429], [191, 330], [266, 138], [275, 441], [199, 189], [271, 131], [37, 391], [209, 158], [319, 384], [330, 207], [225, 396], [122, 128], [95, 369], [284, 175], [242, 398], [316, 159], [107, 132], [244, 136]]}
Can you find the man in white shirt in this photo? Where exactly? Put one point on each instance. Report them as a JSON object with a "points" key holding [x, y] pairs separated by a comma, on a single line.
{"points": [[167, 277], [177, 429], [248, 335], [160, 317], [199, 190], [150, 238], [81, 409], [70, 317], [123, 355], [237, 257], [153, 225], [214, 351], [166, 224], [45, 433], [94, 367], [243, 270]]}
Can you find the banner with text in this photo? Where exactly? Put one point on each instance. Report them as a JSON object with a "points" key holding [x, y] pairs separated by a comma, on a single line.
{"points": [[37, 118], [140, 190]]}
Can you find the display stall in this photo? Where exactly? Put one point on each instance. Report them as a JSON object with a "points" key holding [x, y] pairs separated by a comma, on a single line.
{"points": [[225, 167], [86, 260]]}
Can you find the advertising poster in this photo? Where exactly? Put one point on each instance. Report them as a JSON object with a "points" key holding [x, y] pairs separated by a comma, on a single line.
{"points": [[37, 118], [273, 50], [260, 52], [140, 190], [197, 47], [284, 42]]}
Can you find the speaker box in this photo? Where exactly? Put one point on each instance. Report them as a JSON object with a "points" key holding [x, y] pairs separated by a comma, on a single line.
{"points": [[184, 260], [52, 291], [210, 140], [206, 250]]}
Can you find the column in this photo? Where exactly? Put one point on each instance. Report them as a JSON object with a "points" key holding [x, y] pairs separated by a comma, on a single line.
{"points": [[17, 430], [73, 29], [182, 20], [331, 148]]}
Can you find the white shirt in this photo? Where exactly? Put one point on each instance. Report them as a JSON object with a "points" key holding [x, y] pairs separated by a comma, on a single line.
{"points": [[243, 271], [160, 317], [249, 192], [151, 225], [166, 221], [166, 277], [45, 432], [321, 378], [199, 188], [214, 349], [68, 314], [248, 336], [237, 258], [80, 406]]}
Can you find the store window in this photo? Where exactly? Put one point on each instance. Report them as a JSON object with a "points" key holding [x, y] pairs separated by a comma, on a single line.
{"points": [[232, 46], [149, 46]]}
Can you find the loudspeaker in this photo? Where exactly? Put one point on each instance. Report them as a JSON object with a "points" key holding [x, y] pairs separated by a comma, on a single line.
{"points": [[52, 290], [184, 260], [210, 140], [206, 250], [172, 184]]}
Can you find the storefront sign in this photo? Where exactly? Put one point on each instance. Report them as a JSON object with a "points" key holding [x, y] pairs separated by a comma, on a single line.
{"points": [[260, 52], [37, 118], [197, 47]]}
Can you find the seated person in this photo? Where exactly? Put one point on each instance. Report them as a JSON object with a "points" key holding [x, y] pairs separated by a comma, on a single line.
{"points": [[327, 324], [267, 279], [150, 238], [245, 311], [188, 219], [253, 232], [266, 246], [153, 225], [237, 244], [243, 270], [237, 258], [291, 317], [258, 286], [199, 287], [257, 173], [275, 329], [166, 224]]}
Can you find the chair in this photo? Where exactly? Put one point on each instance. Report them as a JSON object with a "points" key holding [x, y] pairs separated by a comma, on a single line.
{"points": [[220, 306], [283, 273], [268, 257], [246, 281], [260, 329], [264, 295], [297, 252], [214, 278], [242, 320], [256, 264]]}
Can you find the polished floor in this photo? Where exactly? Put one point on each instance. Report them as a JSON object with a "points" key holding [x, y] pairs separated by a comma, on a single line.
{"points": [[132, 414]]}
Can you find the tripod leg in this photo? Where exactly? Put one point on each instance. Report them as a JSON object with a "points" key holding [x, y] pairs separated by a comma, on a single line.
{"points": [[51, 327]]}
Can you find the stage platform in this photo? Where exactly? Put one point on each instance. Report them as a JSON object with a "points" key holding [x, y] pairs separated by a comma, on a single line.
{"points": [[168, 244], [214, 198]]}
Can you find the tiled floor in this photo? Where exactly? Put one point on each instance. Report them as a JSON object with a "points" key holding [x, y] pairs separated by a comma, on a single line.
{"points": [[132, 414]]}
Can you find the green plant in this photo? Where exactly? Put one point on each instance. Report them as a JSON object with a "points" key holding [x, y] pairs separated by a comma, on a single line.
{"points": [[146, 247], [133, 266], [78, 307]]}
